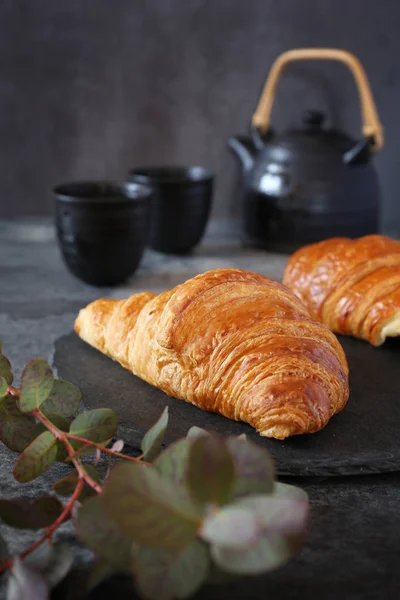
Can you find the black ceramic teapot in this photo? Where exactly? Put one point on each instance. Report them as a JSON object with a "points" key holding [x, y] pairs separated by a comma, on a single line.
{"points": [[309, 183]]}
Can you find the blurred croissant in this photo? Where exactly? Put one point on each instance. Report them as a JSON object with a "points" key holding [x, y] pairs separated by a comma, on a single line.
{"points": [[231, 342], [353, 286]]}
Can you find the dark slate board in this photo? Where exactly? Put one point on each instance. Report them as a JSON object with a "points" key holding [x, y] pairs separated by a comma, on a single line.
{"points": [[363, 438]]}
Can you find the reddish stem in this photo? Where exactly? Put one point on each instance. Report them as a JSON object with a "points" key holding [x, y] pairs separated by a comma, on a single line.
{"points": [[62, 436], [50, 530], [103, 449]]}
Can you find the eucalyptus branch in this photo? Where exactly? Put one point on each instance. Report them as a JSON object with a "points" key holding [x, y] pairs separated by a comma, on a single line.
{"points": [[62, 437], [88, 443], [139, 510]]}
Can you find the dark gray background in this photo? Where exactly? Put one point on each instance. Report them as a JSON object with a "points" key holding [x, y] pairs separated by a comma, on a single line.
{"points": [[91, 88]]}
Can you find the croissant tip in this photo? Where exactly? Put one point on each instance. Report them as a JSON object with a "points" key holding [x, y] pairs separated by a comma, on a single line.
{"points": [[279, 432], [390, 329]]}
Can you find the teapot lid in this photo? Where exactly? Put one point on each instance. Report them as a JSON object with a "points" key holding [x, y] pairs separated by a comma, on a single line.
{"points": [[313, 137]]}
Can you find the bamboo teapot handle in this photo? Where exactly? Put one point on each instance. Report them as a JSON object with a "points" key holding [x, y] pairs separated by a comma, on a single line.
{"points": [[371, 127]]}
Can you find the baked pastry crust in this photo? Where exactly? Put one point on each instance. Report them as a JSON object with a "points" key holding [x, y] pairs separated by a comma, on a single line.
{"points": [[352, 286], [231, 342]]}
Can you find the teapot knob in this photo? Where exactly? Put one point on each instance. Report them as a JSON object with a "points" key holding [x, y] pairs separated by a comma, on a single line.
{"points": [[313, 119]]}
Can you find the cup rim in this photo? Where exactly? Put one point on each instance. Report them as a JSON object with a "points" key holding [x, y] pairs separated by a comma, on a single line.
{"points": [[171, 174], [92, 192]]}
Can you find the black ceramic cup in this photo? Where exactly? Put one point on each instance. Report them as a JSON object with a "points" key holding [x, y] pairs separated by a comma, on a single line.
{"points": [[180, 205], [102, 229]]}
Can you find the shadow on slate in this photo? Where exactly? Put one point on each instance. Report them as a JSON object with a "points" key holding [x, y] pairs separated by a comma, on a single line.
{"points": [[363, 438]]}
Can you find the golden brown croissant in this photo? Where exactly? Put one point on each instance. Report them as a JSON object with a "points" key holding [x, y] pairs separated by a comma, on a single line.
{"points": [[353, 286], [231, 342]]}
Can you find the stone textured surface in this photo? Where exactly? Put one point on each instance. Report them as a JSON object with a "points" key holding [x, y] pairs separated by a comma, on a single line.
{"points": [[90, 89], [352, 550]]}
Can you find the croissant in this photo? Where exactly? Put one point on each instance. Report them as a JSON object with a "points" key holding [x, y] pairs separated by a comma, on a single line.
{"points": [[352, 286], [231, 342]]}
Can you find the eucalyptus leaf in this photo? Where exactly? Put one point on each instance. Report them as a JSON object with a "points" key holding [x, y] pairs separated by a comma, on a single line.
{"points": [[282, 514], [253, 467], [9, 408], [25, 513], [36, 458], [53, 562], [62, 453], [64, 399], [152, 441], [17, 430], [36, 384], [150, 509], [63, 425], [234, 527], [210, 471], [26, 583], [5, 369], [66, 486], [95, 425], [3, 387], [286, 490], [267, 554], [101, 535], [164, 575], [282, 521], [172, 462], [195, 431]]}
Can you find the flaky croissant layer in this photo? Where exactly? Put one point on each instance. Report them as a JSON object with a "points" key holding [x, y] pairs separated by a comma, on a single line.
{"points": [[353, 286], [231, 342]]}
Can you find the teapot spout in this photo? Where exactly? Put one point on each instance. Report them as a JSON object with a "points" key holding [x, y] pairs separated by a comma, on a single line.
{"points": [[243, 147]]}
